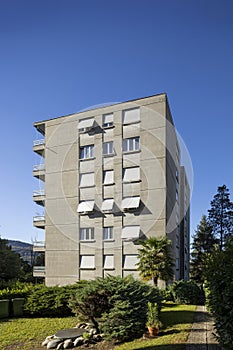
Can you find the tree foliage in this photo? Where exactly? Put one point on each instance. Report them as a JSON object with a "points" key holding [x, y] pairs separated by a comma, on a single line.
{"points": [[10, 262], [219, 287], [117, 306], [203, 244], [221, 215], [155, 259]]}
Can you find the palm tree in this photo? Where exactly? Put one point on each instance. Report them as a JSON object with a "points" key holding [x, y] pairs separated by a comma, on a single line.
{"points": [[155, 259]]}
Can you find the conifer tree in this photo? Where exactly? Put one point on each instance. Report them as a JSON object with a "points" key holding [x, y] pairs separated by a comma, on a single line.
{"points": [[221, 215], [203, 244]]}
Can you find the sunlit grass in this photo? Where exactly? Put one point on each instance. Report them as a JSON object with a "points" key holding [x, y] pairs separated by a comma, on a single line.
{"points": [[177, 321], [28, 333]]}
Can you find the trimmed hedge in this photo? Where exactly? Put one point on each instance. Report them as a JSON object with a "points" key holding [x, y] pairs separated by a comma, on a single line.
{"points": [[186, 292]]}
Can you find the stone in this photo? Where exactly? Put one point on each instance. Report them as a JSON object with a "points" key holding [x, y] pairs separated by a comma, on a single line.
{"points": [[47, 340], [52, 344], [60, 346], [68, 344], [78, 341]]}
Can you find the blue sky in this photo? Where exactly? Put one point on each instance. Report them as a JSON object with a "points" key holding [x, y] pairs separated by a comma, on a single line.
{"points": [[60, 56]]}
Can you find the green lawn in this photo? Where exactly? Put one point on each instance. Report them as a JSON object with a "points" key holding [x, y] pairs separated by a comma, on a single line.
{"points": [[28, 333]]}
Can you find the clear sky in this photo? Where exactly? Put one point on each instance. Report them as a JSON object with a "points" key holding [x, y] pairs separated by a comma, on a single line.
{"points": [[60, 56]]}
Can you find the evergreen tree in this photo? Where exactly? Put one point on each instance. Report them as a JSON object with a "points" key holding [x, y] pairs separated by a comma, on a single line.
{"points": [[203, 244], [10, 262], [155, 259], [221, 215]]}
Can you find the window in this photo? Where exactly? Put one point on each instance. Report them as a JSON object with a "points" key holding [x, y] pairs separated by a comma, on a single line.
{"points": [[130, 232], [108, 148], [131, 174], [86, 207], [132, 144], [130, 262], [108, 262], [87, 180], [87, 152], [87, 234], [107, 205], [108, 233], [86, 125], [108, 177], [130, 203], [107, 120], [131, 116], [87, 261]]}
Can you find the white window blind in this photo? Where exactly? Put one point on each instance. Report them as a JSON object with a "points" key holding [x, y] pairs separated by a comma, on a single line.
{"points": [[129, 232], [108, 177], [131, 174], [86, 124], [108, 261], [130, 262], [131, 116], [87, 262], [107, 205], [107, 120], [130, 203], [87, 180], [87, 206]]}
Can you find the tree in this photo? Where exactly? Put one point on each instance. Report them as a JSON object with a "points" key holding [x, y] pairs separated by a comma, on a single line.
{"points": [[155, 259], [221, 215], [203, 244], [10, 262]]}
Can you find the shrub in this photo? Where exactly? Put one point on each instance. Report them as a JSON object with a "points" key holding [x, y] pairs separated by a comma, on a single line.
{"points": [[186, 292], [117, 306], [49, 301], [16, 290], [219, 292]]}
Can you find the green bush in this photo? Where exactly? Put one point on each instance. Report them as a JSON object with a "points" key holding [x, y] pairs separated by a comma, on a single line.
{"points": [[186, 292], [219, 292], [116, 306], [16, 290], [49, 301]]}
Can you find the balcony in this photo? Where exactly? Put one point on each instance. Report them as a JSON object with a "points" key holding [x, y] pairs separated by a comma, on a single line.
{"points": [[39, 146], [38, 271], [39, 221], [39, 197], [39, 246], [39, 171]]}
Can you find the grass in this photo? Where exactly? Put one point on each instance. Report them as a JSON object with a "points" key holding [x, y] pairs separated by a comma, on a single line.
{"points": [[177, 321], [28, 333]]}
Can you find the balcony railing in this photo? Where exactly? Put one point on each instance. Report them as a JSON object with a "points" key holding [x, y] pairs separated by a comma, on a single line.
{"points": [[38, 193], [38, 271], [38, 167], [38, 218], [39, 244], [39, 142]]}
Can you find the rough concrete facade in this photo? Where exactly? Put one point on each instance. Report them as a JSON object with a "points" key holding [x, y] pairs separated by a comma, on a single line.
{"points": [[111, 175]]}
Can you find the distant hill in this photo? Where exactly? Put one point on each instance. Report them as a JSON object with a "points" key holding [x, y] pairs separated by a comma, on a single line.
{"points": [[22, 248]]}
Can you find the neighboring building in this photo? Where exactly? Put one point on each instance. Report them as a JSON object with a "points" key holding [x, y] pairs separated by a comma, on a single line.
{"points": [[111, 175]]}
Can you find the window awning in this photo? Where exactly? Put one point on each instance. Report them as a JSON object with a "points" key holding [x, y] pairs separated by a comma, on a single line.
{"points": [[86, 123], [130, 232], [87, 206], [107, 205], [131, 116], [87, 262], [108, 118], [130, 203], [108, 177], [131, 174]]}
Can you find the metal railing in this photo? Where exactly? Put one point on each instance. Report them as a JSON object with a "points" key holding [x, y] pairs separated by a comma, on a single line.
{"points": [[39, 269], [38, 167], [38, 218], [39, 244], [39, 142], [38, 193]]}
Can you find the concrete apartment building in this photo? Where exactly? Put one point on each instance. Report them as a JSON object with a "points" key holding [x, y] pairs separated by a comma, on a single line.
{"points": [[107, 177]]}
